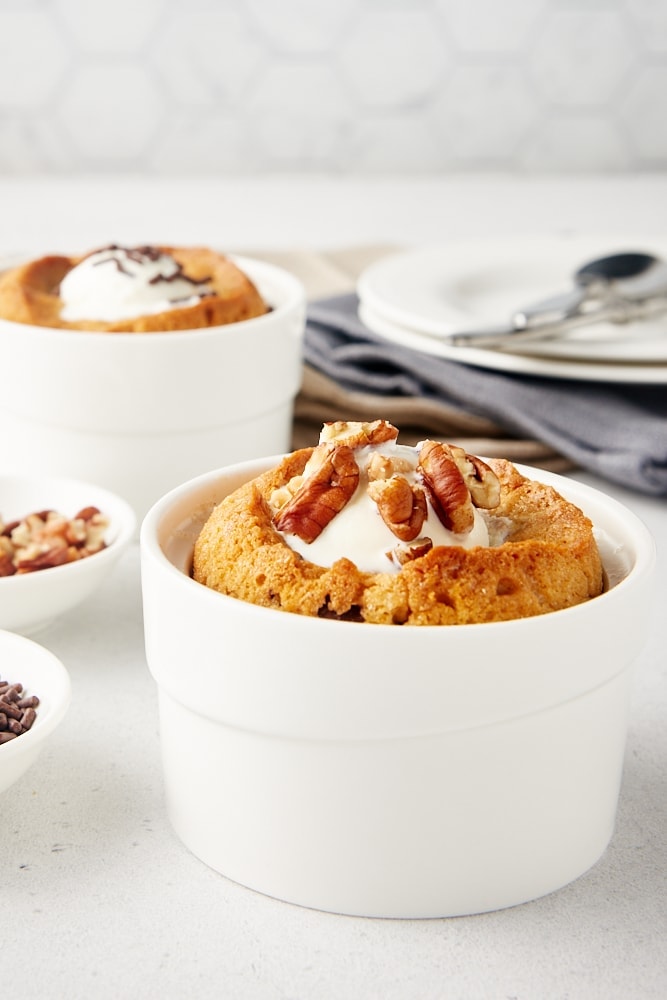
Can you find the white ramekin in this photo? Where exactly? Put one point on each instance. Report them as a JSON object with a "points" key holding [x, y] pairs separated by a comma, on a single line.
{"points": [[386, 770], [141, 413]]}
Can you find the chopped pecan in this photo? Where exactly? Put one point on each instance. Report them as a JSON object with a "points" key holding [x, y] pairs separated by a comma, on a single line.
{"points": [[402, 507], [36, 556], [47, 538], [357, 433], [384, 467], [87, 514], [7, 567], [40, 527], [412, 550], [379, 467], [446, 487], [94, 524], [322, 495], [76, 532]]}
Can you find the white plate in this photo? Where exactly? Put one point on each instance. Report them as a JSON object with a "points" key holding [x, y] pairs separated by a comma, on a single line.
{"points": [[468, 285], [653, 374]]}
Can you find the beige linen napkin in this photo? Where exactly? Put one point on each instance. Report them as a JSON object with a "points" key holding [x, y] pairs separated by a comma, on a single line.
{"points": [[333, 272]]}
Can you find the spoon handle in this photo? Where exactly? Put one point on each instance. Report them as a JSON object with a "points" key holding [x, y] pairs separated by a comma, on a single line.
{"points": [[513, 337], [554, 309]]}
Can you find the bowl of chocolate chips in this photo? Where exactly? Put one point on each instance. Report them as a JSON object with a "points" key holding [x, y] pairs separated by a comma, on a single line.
{"points": [[147, 365], [34, 698]]}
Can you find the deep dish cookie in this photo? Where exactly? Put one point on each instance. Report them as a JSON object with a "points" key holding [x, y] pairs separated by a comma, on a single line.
{"points": [[130, 290], [361, 528]]}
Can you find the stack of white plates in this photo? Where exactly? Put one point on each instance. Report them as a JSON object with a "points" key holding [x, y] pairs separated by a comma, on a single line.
{"points": [[419, 297]]}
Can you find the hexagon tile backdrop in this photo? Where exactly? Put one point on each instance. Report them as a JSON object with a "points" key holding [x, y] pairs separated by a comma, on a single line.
{"points": [[345, 86]]}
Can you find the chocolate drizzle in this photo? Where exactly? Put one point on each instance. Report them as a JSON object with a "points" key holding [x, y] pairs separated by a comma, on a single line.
{"points": [[139, 255], [177, 275]]}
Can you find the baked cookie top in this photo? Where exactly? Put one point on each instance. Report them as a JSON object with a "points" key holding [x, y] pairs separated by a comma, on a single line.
{"points": [[130, 290], [361, 528]]}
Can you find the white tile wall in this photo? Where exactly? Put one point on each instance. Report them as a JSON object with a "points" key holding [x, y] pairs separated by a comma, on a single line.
{"points": [[365, 86]]}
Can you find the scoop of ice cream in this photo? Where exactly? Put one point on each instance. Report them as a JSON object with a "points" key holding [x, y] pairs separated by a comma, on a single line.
{"points": [[371, 526], [118, 283]]}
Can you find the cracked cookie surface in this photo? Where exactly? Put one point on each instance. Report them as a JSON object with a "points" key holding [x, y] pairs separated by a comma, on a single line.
{"points": [[29, 294], [547, 561]]}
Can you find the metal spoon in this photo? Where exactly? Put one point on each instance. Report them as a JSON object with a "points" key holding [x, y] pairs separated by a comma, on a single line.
{"points": [[617, 288], [630, 275]]}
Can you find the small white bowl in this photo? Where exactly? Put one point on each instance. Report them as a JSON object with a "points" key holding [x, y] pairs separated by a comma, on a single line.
{"points": [[30, 601], [41, 673], [140, 413], [386, 770]]}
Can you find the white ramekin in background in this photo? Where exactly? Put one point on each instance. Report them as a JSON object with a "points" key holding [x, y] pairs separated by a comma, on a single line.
{"points": [[141, 413]]}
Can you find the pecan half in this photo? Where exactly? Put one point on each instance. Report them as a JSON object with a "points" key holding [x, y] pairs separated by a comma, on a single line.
{"points": [[446, 487], [322, 495], [480, 479], [402, 507]]}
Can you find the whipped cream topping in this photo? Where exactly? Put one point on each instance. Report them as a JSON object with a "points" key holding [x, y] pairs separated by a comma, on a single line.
{"points": [[358, 532], [118, 283]]}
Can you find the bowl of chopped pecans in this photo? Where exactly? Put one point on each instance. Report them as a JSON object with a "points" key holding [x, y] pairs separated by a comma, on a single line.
{"points": [[34, 697], [59, 538]]}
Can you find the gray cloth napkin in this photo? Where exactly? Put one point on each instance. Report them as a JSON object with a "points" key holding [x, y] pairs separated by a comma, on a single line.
{"points": [[618, 431]]}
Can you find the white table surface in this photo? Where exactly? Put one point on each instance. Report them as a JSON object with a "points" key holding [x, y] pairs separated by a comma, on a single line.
{"points": [[99, 899]]}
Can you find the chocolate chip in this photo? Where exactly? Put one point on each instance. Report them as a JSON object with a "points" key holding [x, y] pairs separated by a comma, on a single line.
{"points": [[17, 713]]}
